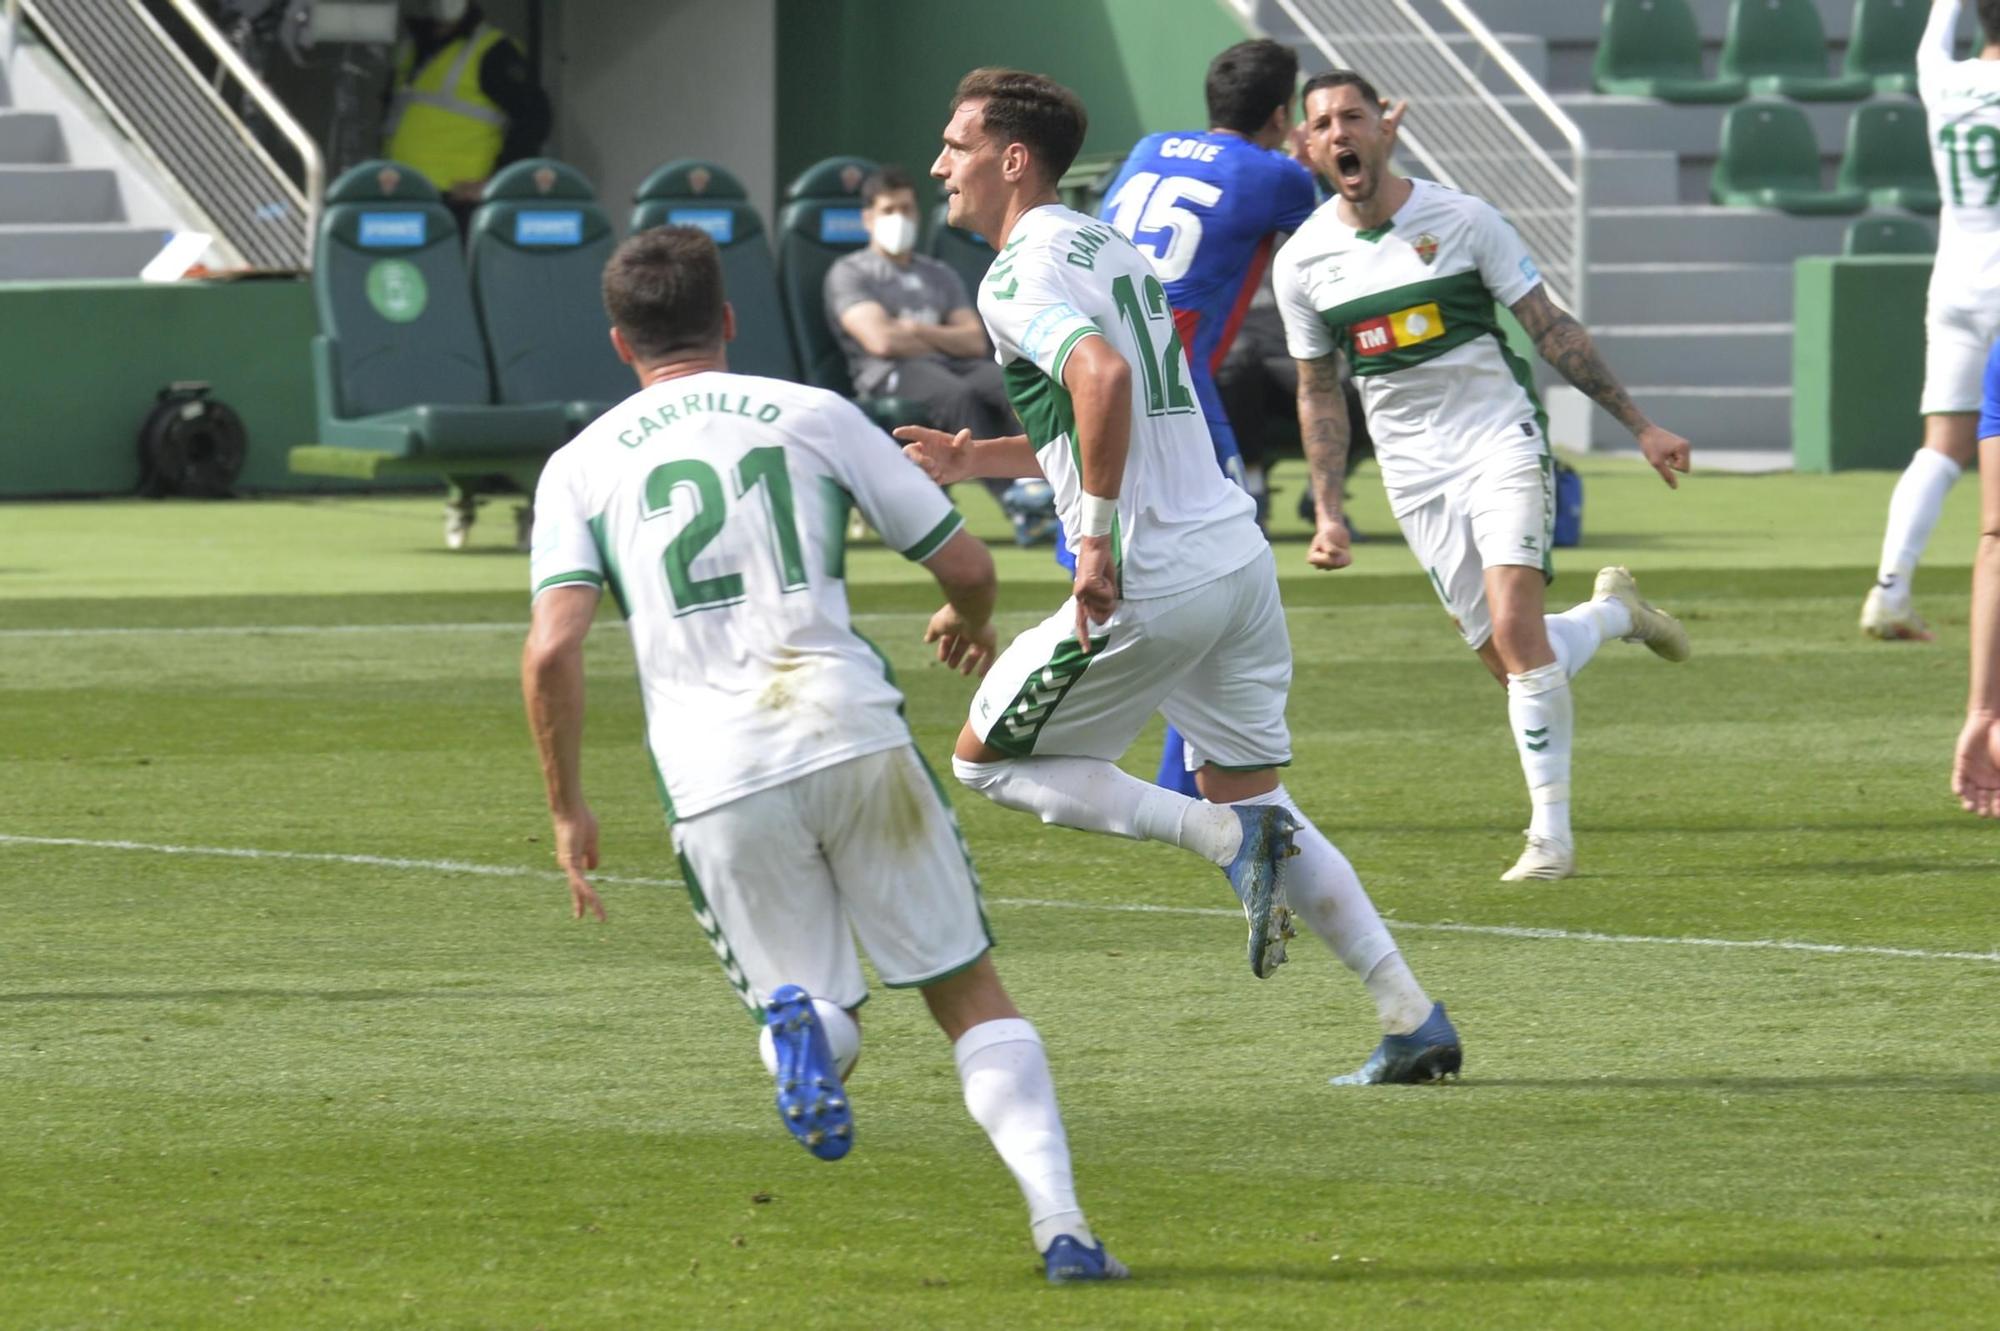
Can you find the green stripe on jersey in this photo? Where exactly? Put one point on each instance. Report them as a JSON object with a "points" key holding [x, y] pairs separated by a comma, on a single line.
{"points": [[609, 558], [1045, 407], [835, 504], [930, 542], [1464, 306], [579, 575]]}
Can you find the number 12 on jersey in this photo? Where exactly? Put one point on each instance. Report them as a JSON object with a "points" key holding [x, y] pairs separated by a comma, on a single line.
{"points": [[688, 480], [1166, 394]]}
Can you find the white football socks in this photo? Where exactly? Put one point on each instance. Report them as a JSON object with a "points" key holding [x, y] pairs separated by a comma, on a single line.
{"points": [[1540, 714], [1913, 512], [1577, 633], [843, 1038], [1324, 891], [1093, 795], [1008, 1090]]}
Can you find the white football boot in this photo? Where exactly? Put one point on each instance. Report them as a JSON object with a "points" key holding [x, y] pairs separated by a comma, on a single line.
{"points": [[1660, 631], [1544, 861], [1891, 619]]}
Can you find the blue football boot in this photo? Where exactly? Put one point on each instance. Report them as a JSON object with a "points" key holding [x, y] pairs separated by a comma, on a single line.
{"points": [[1267, 843], [1068, 1261], [1429, 1053], [811, 1100]]}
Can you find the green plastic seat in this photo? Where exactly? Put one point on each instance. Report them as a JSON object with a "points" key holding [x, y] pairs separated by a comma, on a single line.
{"points": [[538, 247], [400, 377], [1882, 47], [1889, 235], [1770, 159], [964, 252], [1650, 48], [1780, 47], [1889, 157], [819, 222], [691, 192]]}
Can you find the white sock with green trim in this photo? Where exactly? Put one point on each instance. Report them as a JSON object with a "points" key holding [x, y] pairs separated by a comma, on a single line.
{"points": [[1577, 633], [1541, 715], [1093, 795], [1008, 1090]]}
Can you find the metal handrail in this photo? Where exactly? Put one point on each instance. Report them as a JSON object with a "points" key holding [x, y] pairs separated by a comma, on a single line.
{"points": [[305, 201], [312, 165], [1498, 134]]}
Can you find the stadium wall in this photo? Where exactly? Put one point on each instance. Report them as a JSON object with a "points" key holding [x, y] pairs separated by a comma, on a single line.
{"points": [[875, 77], [1857, 361], [85, 360]]}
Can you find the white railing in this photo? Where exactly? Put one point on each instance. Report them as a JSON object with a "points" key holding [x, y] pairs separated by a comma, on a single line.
{"points": [[1458, 130], [173, 113]]}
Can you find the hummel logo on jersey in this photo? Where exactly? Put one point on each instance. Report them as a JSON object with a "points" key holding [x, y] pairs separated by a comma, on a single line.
{"points": [[1405, 328]]}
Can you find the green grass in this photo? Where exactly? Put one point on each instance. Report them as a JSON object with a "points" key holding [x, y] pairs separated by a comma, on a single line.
{"points": [[301, 1092]]}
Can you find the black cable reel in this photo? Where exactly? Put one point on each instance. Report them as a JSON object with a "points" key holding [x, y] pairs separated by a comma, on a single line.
{"points": [[190, 444]]}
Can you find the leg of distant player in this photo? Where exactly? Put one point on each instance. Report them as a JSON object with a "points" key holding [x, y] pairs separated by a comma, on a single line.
{"points": [[1008, 1089], [1914, 506]]}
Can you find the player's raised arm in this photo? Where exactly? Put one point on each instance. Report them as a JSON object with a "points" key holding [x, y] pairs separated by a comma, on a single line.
{"points": [[552, 688], [1565, 344], [950, 458], [1100, 388], [1323, 428], [1938, 46]]}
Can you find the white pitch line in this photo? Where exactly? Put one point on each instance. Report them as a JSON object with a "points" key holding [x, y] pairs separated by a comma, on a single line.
{"points": [[1017, 903]]}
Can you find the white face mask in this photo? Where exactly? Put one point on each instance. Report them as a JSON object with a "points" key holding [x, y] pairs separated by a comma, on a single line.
{"points": [[895, 233]]}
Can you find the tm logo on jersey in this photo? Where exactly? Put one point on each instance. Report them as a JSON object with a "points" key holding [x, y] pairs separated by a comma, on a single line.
{"points": [[1405, 328]]}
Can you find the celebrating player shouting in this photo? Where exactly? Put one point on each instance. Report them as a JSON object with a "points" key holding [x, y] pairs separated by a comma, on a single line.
{"points": [[1176, 597], [1403, 277]]}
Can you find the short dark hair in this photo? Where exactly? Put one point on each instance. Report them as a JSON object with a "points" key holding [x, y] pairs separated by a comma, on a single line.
{"points": [[1249, 81], [663, 291], [1989, 19], [1347, 78], [885, 180], [1029, 109]]}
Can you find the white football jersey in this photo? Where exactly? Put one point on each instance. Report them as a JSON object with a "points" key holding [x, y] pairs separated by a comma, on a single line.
{"points": [[1411, 303], [1962, 104], [1062, 277], [714, 506]]}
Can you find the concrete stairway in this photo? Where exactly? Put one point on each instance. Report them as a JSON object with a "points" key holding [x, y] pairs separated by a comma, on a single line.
{"points": [[74, 203], [1691, 303]]}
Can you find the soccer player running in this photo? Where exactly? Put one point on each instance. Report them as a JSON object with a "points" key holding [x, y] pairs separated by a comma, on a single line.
{"points": [[1962, 309], [1403, 277], [1175, 606], [714, 506], [1204, 208], [1975, 768]]}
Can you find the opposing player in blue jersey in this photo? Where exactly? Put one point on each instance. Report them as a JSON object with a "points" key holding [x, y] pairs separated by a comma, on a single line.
{"points": [[1206, 209]]}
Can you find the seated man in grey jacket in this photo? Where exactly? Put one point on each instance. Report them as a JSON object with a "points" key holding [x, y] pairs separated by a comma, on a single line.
{"points": [[907, 324]]}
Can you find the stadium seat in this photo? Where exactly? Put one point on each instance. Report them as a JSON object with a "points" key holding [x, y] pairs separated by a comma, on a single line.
{"points": [[1889, 235], [690, 192], [820, 221], [1650, 49], [538, 246], [1770, 159], [964, 252], [1883, 45], [1889, 157], [399, 371], [1780, 47]]}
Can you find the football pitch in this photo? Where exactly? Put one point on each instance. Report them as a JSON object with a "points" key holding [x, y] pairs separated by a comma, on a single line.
{"points": [[295, 1030]]}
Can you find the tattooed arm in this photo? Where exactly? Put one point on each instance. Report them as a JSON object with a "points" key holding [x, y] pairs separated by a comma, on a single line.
{"points": [[1323, 427], [1565, 344]]}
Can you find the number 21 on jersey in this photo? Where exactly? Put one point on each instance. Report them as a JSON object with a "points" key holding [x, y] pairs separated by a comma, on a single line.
{"points": [[695, 484]]}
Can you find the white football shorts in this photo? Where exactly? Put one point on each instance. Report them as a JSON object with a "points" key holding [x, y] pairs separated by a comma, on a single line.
{"points": [[784, 880], [1502, 512], [1216, 660], [1956, 344]]}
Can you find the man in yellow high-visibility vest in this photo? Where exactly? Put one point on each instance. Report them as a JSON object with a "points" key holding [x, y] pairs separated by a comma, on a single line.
{"points": [[465, 101]]}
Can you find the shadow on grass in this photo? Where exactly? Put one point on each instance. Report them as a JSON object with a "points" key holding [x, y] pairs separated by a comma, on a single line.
{"points": [[237, 995], [1691, 1268], [1941, 1083]]}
